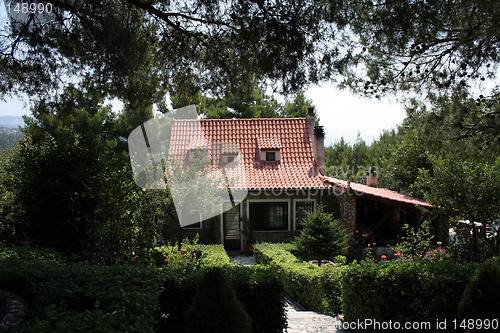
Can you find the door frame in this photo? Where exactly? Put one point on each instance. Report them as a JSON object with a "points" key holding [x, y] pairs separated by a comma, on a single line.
{"points": [[222, 223]]}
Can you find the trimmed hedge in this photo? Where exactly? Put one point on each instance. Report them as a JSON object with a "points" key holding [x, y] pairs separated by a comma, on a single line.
{"points": [[228, 316], [422, 290], [257, 287], [315, 288], [64, 297], [132, 298], [213, 255]]}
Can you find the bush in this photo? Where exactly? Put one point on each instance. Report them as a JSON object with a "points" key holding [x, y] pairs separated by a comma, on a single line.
{"points": [[256, 287], [423, 290], [322, 237], [213, 255], [315, 288], [183, 255], [215, 307], [30, 254], [64, 297], [481, 298], [68, 296]]}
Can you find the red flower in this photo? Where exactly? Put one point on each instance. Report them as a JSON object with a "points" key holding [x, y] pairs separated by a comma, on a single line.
{"points": [[398, 255], [383, 257]]}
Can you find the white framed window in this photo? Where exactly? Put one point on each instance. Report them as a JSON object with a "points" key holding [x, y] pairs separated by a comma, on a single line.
{"points": [[269, 215], [301, 207], [270, 155]]}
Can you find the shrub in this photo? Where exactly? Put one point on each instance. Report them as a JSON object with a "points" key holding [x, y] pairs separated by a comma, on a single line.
{"points": [[64, 297], [313, 287], [30, 254], [263, 294], [414, 244], [215, 307], [68, 296], [423, 290], [481, 297], [213, 255], [322, 237], [183, 255], [257, 287]]}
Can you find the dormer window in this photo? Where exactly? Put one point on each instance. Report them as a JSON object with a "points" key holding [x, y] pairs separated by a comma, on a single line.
{"points": [[270, 156], [270, 149], [229, 159]]}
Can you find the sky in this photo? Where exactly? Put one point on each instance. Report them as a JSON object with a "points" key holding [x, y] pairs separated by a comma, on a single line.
{"points": [[341, 113]]}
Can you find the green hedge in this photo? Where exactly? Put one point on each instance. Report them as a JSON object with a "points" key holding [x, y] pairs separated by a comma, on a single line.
{"points": [[481, 297], [132, 298], [79, 296], [257, 287], [404, 292], [213, 255], [315, 288]]}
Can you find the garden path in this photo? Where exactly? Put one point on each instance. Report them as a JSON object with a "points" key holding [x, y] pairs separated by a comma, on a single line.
{"points": [[300, 321]]}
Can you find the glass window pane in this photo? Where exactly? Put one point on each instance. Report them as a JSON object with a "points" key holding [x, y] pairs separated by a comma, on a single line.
{"points": [[302, 208], [269, 215]]}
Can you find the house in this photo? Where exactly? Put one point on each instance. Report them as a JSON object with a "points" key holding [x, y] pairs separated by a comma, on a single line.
{"points": [[282, 163]]}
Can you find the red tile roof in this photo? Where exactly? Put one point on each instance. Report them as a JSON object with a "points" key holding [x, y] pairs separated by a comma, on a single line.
{"points": [[269, 142], [295, 170], [378, 192]]}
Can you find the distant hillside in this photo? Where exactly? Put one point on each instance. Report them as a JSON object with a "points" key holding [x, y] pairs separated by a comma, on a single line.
{"points": [[9, 136], [11, 121]]}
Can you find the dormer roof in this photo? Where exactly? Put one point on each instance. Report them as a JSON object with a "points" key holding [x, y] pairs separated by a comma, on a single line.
{"points": [[291, 136]]}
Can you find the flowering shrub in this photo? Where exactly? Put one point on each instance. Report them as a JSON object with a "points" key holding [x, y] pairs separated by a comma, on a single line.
{"points": [[436, 254], [183, 255], [414, 244]]}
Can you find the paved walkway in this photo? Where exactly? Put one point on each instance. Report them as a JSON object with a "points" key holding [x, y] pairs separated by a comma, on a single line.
{"points": [[300, 321]]}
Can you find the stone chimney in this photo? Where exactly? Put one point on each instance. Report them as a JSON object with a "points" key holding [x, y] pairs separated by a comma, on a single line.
{"points": [[319, 155], [371, 177], [317, 139]]}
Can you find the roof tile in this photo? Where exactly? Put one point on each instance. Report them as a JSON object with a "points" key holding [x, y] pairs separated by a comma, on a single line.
{"points": [[293, 171]]}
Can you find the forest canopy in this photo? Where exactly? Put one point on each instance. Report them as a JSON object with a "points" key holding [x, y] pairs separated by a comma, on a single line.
{"points": [[138, 49]]}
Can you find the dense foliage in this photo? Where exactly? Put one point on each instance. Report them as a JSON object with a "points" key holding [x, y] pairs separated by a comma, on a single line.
{"points": [[313, 287], [322, 237], [256, 287], [425, 288], [215, 307], [481, 298], [138, 49], [68, 183], [65, 296]]}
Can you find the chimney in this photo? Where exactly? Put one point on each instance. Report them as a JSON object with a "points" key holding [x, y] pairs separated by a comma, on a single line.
{"points": [[371, 177], [319, 136], [310, 126], [317, 139]]}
